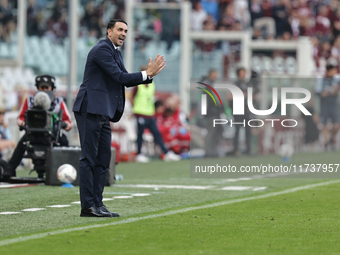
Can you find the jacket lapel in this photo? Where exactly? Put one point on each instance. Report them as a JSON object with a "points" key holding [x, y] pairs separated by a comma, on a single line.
{"points": [[115, 53]]}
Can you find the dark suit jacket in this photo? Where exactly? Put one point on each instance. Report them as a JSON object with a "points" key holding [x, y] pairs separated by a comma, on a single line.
{"points": [[105, 79]]}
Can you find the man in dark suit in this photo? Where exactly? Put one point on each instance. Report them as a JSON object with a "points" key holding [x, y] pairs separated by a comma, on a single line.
{"points": [[101, 99]]}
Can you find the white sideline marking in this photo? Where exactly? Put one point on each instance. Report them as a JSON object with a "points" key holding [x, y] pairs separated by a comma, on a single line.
{"points": [[140, 194], [9, 212], [259, 188], [114, 193], [258, 176], [58, 206], [130, 220], [237, 188], [107, 199], [119, 197], [241, 188], [9, 185], [104, 199], [161, 186], [33, 209]]}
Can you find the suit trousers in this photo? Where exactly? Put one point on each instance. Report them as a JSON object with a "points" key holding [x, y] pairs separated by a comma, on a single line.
{"points": [[95, 139]]}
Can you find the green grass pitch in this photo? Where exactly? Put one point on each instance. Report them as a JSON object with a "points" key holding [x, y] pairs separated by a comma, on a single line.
{"points": [[181, 215]]}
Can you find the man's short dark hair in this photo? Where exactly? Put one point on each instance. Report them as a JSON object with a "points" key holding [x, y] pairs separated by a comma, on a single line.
{"points": [[113, 22]]}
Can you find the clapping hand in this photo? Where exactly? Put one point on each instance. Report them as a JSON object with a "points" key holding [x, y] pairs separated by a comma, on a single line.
{"points": [[154, 67]]}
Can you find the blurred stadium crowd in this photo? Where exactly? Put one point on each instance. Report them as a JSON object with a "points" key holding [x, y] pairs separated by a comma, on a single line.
{"points": [[47, 28], [49, 18], [46, 45], [267, 19]]}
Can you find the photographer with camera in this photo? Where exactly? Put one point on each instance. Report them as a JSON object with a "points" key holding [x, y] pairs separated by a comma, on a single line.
{"points": [[46, 84]]}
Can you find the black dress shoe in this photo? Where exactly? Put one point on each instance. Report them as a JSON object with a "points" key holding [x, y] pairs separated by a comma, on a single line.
{"points": [[93, 212], [105, 210]]}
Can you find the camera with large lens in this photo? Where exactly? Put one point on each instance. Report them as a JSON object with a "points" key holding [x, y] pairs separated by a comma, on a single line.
{"points": [[42, 129]]}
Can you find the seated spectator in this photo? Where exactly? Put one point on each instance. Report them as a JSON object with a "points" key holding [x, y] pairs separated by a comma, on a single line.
{"points": [[7, 24], [281, 14], [207, 45], [198, 16], [267, 8], [336, 23], [303, 10], [90, 14], [256, 11], [209, 23], [325, 51], [332, 9], [323, 24], [228, 18], [170, 31], [170, 124], [59, 8], [242, 12], [306, 27], [294, 21], [58, 29]]}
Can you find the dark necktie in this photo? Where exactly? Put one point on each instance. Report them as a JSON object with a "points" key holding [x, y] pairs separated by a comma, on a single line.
{"points": [[120, 57], [120, 105]]}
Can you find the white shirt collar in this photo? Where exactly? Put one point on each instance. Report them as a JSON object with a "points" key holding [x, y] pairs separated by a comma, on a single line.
{"points": [[116, 48]]}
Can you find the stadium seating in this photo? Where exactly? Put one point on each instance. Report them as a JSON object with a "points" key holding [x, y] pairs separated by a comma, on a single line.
{"points": [[44, 56], [4, 50]]}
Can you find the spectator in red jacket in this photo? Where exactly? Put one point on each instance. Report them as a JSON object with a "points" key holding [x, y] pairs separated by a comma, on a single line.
{"points": [[170, 124], [322, 23]]}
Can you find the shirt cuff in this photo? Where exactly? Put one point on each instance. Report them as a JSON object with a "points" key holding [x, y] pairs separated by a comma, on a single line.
{"points": [[144, 75]]}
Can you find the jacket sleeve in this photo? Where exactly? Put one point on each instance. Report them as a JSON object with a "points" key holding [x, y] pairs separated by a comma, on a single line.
{"points": [[104, 58], [147, 81]]}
